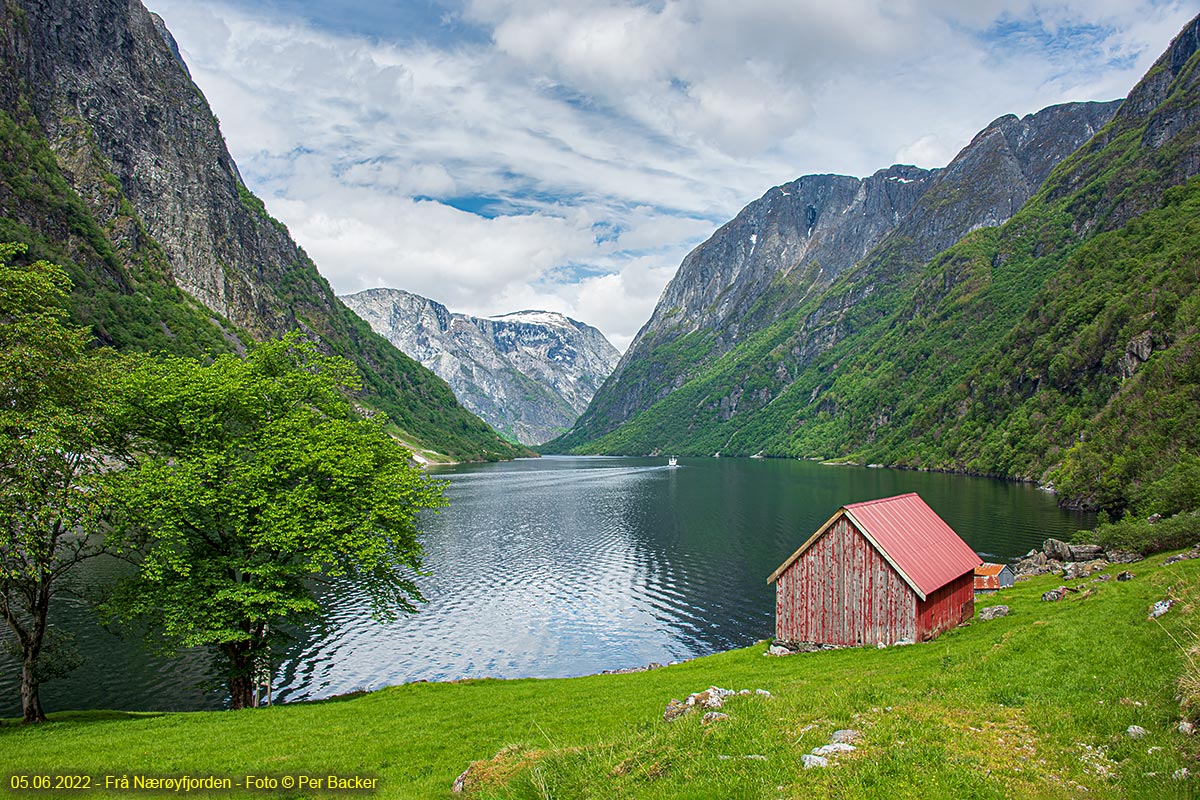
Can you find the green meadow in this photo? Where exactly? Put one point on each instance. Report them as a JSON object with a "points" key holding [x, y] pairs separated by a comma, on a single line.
{"points": [[1034, 704]]}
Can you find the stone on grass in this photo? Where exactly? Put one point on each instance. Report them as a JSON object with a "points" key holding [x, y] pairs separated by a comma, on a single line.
{"points": [[1161, 607], [992, 612], [1188, 556], [675, 709], [1083, 569], [713, 716], [1125, 576], [776, 650], [833, 749], [1135, 732], [1186, 728], [1052, 596], [1181, 774], [711, 698], [845, 736], [810, 761], [762, 692]]}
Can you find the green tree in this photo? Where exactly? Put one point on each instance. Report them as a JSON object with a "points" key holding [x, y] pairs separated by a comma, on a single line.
{"points": [[52, 427], [253, 480]]}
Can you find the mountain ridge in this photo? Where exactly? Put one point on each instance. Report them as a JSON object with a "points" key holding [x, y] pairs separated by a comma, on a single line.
{"points": [[115, 166], [1001, 161], [529, 374], [1061, 346]]}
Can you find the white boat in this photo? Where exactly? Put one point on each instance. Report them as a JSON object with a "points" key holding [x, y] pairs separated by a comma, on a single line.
{"points": [[673, 462]]}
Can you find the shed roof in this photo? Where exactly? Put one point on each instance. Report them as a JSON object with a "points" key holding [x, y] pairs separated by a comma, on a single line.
{"points": [[918, 543], [987, 576]]}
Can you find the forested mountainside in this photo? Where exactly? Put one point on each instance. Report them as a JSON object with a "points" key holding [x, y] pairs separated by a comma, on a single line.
{"points": [[529, 374], [784, 251], [113, 165], [1061, 345]]}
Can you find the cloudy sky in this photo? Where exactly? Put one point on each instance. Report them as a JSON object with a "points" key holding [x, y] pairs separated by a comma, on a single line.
{"points": [[500, 155]]}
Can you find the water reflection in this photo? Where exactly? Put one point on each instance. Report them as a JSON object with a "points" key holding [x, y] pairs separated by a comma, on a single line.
{"points": [[567, 566]]}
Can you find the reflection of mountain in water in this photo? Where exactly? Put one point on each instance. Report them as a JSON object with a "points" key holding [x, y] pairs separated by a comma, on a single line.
{"points": [[569, 566]]}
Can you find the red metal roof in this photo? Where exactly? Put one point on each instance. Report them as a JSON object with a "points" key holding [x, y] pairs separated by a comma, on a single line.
{"points": [[918, 543]]}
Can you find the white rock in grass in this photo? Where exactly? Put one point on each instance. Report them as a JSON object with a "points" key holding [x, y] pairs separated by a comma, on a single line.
{"points": [[846, 735], [833, 749], [1135, 731], [460, 783], [810, 761], [713, 716]]}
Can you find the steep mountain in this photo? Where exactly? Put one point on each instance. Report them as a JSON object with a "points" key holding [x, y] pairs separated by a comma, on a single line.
{"points": [[114, 166], [529, 374], [790, 246], [1062, 345]]}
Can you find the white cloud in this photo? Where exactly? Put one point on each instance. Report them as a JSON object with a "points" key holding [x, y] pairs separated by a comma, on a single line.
{"points": [[570, 156]]}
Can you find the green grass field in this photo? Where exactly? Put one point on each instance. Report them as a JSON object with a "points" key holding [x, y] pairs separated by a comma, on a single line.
{"points": [[1035, 704]]}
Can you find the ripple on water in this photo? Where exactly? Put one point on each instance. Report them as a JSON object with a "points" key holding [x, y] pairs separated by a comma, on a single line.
{"points": [[559, 567]]}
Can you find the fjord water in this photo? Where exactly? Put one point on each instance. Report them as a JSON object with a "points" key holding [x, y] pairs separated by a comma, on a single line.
{"points": [[567, 566]]}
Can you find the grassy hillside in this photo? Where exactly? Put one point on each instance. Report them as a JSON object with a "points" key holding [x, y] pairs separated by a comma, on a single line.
{"points": [[1060, 345], [1035, 704]]}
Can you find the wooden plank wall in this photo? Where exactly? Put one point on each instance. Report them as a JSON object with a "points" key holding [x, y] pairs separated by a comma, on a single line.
{"points": [[947, 608], [842, 591]]}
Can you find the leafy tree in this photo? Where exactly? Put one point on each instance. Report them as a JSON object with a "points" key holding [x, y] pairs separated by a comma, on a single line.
{"points": [[52, 428], [253, 480]]}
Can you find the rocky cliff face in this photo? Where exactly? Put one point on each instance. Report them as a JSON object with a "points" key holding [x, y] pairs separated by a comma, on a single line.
{"points": [[116, 166], [812, 228], [103, 71], [529, 374], [791, 246]]}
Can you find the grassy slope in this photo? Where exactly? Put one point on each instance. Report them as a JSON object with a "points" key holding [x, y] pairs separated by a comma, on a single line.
{"points": [[1031, 705]]}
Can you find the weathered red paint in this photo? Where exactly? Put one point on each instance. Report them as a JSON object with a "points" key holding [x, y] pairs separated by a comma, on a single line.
{"points": [[840, 588], [946, 608], [842, 591]]}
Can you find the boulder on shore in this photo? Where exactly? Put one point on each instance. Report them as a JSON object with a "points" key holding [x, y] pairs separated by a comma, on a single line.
{"points": [[1061, 551]]}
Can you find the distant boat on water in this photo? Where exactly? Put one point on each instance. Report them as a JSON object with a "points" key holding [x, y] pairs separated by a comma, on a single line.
{"points": [[673, 462]]}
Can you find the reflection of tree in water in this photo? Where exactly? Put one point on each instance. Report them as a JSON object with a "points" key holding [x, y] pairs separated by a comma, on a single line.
{"points": [[573, 566]]}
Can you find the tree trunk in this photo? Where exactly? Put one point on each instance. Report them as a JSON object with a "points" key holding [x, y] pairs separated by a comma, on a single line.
{"points": [[241, 676], [31, 703]]}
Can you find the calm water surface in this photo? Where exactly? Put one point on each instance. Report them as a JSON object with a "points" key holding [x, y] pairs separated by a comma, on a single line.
{"points": [[567, 566]]}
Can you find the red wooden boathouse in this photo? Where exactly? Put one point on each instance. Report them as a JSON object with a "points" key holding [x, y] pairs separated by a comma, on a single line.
{"points": [[880, 571]]}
